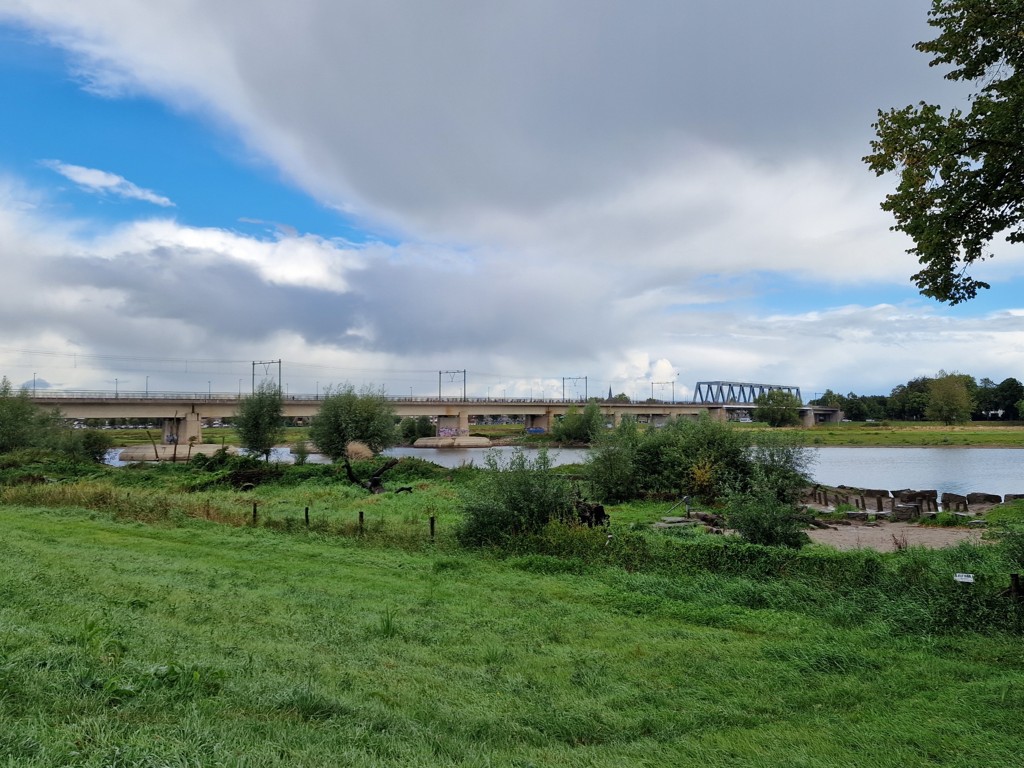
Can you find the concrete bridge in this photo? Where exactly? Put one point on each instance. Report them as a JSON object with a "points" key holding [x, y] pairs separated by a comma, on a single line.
{"points": [[180, 415]]}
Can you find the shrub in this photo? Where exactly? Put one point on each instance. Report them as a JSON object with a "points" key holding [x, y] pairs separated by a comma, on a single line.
{"points": [[516, 497], [761, 518], [577, 427], [702, 458]]}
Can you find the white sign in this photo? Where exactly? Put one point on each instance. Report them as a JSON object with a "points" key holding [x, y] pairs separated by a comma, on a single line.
{"points": [[964, 578]]}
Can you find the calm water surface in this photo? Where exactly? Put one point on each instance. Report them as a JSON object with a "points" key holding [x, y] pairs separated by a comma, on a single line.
{"points": [[952, 470]]}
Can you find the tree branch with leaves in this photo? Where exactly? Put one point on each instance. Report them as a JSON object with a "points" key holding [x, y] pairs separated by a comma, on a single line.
{"points": [[961, 175]]}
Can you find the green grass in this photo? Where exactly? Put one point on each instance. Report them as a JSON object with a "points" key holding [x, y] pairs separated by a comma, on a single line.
{"points": [[144, 621], [919, 434], [191, 643]]}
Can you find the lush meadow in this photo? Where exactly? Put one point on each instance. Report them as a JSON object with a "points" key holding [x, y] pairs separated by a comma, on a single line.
{"points": [[146, 621]]}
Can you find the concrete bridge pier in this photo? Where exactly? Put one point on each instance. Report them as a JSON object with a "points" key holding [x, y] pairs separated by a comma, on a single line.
{"points": [[539, 421], [181, 428], [459, 422]]}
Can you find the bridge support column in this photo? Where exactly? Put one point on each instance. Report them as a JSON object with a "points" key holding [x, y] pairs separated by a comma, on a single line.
{"points": [[181, 429], [457, 424], [539, 421]]}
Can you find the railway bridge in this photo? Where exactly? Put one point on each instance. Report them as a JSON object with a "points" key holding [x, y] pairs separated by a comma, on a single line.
{"points": [[181, 415]]}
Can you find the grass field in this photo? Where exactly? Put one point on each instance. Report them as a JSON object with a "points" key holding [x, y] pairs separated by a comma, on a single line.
{"points": [[185, 642], [901, 433]]}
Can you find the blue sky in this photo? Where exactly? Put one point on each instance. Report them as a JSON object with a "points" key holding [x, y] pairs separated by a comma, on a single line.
{"points": [[527, 192]]}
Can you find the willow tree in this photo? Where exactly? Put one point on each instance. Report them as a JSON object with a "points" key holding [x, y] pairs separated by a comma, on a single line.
{"points": [[259, 421]]}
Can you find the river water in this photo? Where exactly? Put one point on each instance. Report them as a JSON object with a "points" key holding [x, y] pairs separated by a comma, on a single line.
{"points": [[952, 470], [947, 470]]}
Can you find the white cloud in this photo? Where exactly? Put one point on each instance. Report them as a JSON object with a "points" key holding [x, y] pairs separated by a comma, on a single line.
{"points": [[575, 188], [102, 182]]}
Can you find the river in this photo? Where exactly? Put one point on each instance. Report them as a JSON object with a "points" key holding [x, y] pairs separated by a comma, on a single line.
{"points": [[947, 470]]}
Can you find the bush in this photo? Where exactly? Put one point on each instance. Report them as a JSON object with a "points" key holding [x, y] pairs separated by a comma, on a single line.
{"points": [[702, 458], [761, 518], [577, 427], [516, 497]]}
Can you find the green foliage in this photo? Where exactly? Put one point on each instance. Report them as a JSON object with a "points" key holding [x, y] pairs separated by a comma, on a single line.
{"points": [[259, 419], [960, 175], [612, 467], [516, 497], [778, 408], [949, 398], [347, 416], [760, 518], [301, 452], [84, 444], [22, 424], [703, 458], [780, 465], [579, 427], [412, 429]]}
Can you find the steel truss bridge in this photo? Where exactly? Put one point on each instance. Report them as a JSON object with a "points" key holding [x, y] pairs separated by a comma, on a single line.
{"points": [[737, 392]]}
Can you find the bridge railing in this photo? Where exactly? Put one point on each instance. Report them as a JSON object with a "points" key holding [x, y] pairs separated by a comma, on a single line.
{"points": [[94, 394]]}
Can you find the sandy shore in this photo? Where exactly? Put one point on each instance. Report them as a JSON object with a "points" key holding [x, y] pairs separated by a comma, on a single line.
{"points": [[883, 537]]}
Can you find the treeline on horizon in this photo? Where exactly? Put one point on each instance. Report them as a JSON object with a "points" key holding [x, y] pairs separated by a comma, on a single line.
{"points": [[947, 397]]}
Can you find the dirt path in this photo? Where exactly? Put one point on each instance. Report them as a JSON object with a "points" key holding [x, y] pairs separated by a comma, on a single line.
{"points": [[883, 536]]}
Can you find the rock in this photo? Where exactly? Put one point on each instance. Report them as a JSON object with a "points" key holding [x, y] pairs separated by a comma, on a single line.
{"points": [[906, 511], [954, 501], [984, 498]]}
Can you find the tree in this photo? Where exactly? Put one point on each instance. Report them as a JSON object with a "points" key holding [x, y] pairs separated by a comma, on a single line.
{"points": [[950, 401], [985, 399], [908, 402], [961, 176], [854, 408], [22, 423], [778, 408], [347, 416], [1007, 394], [830, 399], [259, 421]]}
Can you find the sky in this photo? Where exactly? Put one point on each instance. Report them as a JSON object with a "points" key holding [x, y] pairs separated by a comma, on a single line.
{"points": [[537, 198]]}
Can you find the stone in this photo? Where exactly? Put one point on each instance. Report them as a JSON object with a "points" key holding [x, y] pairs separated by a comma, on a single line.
{"points": [[984, 498]]}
